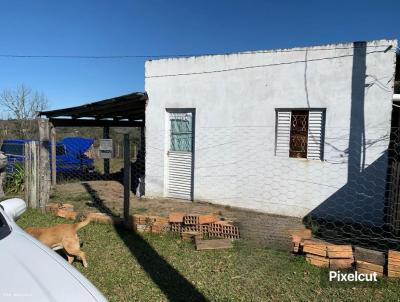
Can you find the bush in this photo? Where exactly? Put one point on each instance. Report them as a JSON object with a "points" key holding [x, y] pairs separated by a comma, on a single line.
{"points": [[14, 182]]}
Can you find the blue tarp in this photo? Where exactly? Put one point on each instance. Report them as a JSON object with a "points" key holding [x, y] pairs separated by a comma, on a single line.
{"points": [[76, 145]]}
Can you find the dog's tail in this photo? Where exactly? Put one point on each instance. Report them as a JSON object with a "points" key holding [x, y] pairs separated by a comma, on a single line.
{"points": [[83, 223]]}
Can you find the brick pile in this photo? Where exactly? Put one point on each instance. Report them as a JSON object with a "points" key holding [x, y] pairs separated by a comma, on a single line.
{"points": [[147, 223], [334, 256], [320, 253], [324, 254], [369, 261], [298, 236], [393, 264], [64, 210], [208, 225]]}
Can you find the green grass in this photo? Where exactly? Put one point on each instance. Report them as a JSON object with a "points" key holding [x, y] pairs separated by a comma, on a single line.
{"points": [[152, 267]]}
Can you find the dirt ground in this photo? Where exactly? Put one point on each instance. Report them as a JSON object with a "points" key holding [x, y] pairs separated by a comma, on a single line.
{"points": [[107, 196]]}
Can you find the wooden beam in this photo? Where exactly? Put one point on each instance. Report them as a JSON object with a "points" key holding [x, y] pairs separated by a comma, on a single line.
{"points": [[118, 111], [127, 178], [61, 122]]}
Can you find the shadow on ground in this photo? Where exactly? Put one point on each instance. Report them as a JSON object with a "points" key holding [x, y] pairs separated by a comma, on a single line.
{"points": [[167, 278]]}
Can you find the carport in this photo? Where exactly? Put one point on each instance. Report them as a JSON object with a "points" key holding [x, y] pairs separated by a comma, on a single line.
{"points": [[122, 111]]}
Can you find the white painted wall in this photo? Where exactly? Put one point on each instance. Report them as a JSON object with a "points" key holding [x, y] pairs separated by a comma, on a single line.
{"points": [[235, 97]]}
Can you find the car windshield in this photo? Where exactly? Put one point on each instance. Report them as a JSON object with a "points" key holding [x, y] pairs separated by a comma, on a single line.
{"points": [[4, 228]]}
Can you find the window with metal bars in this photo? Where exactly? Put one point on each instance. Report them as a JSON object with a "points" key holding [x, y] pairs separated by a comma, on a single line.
{"points": [[300, 133]]}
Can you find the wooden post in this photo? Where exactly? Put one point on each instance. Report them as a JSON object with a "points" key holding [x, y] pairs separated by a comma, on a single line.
{"points": [[142, 183], [44, 163], [106, 161], [127, 178], [53, 155], [31, 180]]}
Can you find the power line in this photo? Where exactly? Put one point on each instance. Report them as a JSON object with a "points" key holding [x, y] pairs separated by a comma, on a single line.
{"points": [[255, 66], [309, 48]]}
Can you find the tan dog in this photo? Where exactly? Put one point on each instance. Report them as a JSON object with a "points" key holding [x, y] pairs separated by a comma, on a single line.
{"points": [[62, 236]]}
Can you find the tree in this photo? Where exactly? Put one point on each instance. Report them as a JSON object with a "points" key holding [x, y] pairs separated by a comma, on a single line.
{"points": [[22, 105]]}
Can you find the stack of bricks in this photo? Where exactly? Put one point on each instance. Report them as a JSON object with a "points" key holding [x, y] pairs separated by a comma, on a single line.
{"points": [[316, 253], [324, 254], [298, 236], [223, 229], [64, 210], [191, 236], [190, 223], [369, 261], [207, 225], [160, 224], [176, 221], [393, 264], [340, 256], [154, 224]]}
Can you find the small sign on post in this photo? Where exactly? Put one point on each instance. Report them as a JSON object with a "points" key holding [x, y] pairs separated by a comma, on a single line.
{"points": [[106, 148]]}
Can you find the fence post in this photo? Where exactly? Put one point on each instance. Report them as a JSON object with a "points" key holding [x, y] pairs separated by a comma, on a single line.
{"points": [[127, 178], [106, 161], [53, 155], [44, 163], [142, 183], [31, 174]]}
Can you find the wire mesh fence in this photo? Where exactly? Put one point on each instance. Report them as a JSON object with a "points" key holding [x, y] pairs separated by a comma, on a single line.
{"points": [[350, 195], [87, 164]]}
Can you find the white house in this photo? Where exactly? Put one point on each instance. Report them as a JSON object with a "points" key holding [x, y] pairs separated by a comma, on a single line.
{"points": [[286, 131]]}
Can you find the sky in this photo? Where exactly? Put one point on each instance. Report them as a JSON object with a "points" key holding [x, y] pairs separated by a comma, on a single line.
{"points": [[163, 27]]}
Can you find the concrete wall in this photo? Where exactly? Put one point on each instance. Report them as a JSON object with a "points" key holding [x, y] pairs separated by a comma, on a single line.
{"points": [[235, 97]]}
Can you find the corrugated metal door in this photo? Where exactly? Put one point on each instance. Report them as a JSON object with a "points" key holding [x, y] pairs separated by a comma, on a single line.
{"points": [[180, 155]]}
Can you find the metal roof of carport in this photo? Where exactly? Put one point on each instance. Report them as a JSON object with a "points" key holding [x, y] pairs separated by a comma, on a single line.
{"points": [[122, 111]]}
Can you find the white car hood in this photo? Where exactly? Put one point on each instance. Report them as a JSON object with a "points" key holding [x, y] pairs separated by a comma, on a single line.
{"points": [[29, 271]]}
